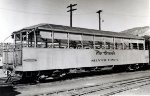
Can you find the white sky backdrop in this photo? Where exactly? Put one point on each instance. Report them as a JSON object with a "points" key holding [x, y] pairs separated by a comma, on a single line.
{"points": [[118, 15]]}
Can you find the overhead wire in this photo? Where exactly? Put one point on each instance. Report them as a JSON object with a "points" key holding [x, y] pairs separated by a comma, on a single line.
{"points": [[85, 13], [27, 12]]}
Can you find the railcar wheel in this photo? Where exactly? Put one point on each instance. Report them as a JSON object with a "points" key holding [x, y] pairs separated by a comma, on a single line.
{"points": [[58, 74], [137, 66], [119, 68], [42, 78], [29, 79], [133, 67]]}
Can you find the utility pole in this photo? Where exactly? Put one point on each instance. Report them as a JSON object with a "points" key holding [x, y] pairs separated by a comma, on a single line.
{"points": [[71, 10], [99, 13]]}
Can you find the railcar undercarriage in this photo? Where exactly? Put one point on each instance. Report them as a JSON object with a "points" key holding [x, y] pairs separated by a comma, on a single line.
{"points": [[38, 76]]}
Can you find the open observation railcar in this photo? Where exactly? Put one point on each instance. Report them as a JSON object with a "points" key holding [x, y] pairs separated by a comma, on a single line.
{"points": [[53, 50]]}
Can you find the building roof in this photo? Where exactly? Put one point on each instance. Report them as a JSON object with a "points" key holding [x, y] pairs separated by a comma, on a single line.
{"points": [[62, 28]]}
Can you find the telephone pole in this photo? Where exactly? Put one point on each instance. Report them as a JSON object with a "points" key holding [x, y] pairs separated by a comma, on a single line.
{"points": [[71, 10], [99, 13]]}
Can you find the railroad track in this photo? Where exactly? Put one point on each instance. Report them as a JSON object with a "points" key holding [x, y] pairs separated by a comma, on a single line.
{"points": [[105, 89]]}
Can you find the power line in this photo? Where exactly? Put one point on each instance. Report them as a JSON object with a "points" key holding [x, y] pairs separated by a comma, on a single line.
{"points": [[26, 12], [88, 13], [107, 13]]}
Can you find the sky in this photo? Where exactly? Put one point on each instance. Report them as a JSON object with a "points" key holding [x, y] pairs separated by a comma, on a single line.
{"points": [[117, 15]]}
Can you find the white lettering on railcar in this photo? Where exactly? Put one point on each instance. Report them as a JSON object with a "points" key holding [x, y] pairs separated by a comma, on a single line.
{"points": [[103, 60]]}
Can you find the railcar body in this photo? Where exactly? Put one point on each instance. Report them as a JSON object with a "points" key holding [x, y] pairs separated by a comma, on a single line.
{"points": [[49, 50]]}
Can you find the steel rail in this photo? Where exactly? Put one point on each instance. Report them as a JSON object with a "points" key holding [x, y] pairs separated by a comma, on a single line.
{"points": [[121, 86]]}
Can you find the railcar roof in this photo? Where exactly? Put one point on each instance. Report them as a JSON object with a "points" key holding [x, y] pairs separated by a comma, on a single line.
{"points": [[62, 28]]}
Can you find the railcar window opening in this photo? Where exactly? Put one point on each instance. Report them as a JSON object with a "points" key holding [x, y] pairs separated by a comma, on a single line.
{"points": [[24, 40], [134, 46], [99, 45], [87, 41], [104, 42], [118, 43], [109, 42], [56, 43], [17, 41], [20, 40], [126, 46], [44, 39], [99, 42], [146, 45], [119, 46], [109, 45], [116, 46], [17, 37], [75, 41], [63, 44], [59, 43], [44, 43], [75, 44], [141, 46], [31, 40], [137, 44], [88, 44], [60, 40], [130, 46]]}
